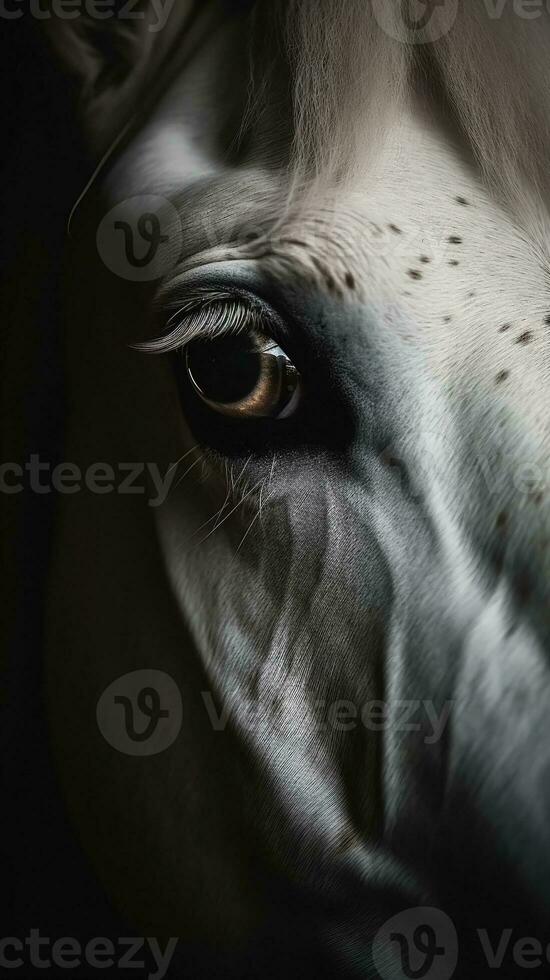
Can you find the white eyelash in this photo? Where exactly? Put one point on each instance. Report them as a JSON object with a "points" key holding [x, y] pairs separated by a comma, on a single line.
{"points": [[205, 316]]}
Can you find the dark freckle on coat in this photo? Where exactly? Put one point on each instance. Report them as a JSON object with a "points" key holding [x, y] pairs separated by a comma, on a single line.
{"points": [[502, 521], [415, 274], [328, 278], [350, 281], [455, 240], [395, 229], [547, 320], [425, 259], [454, 262], [471, 295], [447, 319], [504, 327], [525, 338], [502, 376], [463, 201]]}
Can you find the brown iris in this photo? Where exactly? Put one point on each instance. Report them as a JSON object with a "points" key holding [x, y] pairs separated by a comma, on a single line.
{"points": [[244, 375]]}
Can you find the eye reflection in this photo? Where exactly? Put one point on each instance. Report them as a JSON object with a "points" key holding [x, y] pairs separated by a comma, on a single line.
{"points": [[245, 375]]}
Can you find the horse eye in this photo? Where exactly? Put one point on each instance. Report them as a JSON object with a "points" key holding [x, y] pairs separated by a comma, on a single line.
{"points": [[246, 375]]}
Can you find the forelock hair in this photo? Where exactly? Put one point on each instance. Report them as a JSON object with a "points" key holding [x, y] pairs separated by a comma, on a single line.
{"points": [[348, 77], [345, 77]]}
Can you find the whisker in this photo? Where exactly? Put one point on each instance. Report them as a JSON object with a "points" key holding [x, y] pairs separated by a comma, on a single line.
{"points": [[185, 455], [232, 511], [231, 486], [188, 470], [272, 470], [241, 474], [258, 515], [250, 526], [262, 488], [215, 516], [234, 485]]}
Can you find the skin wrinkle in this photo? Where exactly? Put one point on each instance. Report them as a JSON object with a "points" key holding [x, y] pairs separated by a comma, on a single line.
{"points": [[329, 251]]}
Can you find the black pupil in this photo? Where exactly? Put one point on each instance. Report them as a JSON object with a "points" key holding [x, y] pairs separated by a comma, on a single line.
{"points": [[226, 370]]}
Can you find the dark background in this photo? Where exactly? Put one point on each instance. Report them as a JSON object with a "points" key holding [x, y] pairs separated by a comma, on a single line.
{"points": [[45, 883]]}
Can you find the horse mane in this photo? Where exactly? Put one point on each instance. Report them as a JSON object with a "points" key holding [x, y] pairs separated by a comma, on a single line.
{"points": [[345, 78]]}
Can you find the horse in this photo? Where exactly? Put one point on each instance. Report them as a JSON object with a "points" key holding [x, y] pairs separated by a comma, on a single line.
{"points": [[296, 664]]}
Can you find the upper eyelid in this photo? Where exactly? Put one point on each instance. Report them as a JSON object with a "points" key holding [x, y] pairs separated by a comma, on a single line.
{"points": [[207, 315]]}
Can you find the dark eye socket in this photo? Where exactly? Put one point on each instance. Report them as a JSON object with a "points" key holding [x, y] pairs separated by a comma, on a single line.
{"points": [[244, 375]]}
